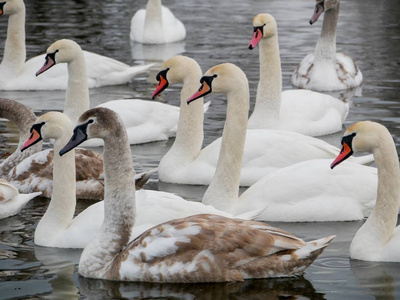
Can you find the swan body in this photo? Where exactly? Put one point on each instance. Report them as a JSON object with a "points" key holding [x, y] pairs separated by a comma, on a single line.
{"points": [[199, 248], [378, 239], [11, 201], [264, 151], [306, 191], [310, 192], [307, 112], [18, 74], [58, 228], [326, 70], [145, 121], [156, 25]]}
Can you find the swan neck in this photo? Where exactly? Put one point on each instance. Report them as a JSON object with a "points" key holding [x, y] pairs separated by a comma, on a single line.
{"points": [[325, 49], [119, 205], [153, 20], [77, 99], [14, 50], [268, 101], [224, 187], [381, 223], [189, 136], [61, 209]]}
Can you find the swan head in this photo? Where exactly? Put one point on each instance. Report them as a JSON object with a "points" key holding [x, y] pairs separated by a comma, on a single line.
{"points": [[61, 51], [99, 122], [173, 71], [11, 7], [225, 78], [363, 136], [54, 125], [322, 6], [264, 26]]}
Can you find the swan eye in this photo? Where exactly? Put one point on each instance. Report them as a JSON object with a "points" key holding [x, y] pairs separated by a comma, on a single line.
{"points": [[162, 73], [348, 139], [258, 30], [37, 127], [90, 121]]}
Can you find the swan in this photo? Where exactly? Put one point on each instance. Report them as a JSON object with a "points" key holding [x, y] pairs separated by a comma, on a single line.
{"points": [[265, 150], [145, 121], [156, 25], [23, 117], [198, 248], [307, 112], [17, 74], [378, 239], [32, 170], [306, 191], [326, 70], [59, 229], [11, 201]]}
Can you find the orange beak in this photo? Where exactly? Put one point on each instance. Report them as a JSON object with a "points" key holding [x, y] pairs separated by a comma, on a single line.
{"points": [[344, 154], [162, 85], [33, 139], [203, 90]]}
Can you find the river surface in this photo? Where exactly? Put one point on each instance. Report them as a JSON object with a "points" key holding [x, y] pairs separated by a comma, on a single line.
{"points": [[217, 32]]}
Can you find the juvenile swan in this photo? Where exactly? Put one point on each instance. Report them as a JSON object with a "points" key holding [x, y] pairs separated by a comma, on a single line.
{"points": [[199, 248]]}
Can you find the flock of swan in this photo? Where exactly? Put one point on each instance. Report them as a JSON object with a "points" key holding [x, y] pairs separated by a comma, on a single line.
{"points": [[134, 234]]}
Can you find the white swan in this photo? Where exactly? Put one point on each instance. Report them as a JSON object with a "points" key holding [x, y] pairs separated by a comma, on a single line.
{"points": [[326, 70], [307, 191], [265, 150], [17, 74], [58, 228], [199, 248], [145, 121], [302, 111], [11, 201], [156, 25], [379, 238]]}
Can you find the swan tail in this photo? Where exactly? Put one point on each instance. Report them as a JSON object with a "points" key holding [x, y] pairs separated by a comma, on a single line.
{"points": [[313, 249], [142, 178], [250, 215]]}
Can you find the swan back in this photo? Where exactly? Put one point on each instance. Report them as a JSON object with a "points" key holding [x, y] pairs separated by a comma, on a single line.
{"points": [[156, 25]]}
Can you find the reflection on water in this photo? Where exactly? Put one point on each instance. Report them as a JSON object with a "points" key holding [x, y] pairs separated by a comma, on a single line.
{"points": [[289, 288], [368, 31]]}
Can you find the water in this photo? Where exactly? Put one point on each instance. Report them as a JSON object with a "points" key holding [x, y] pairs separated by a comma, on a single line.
{"points": [[218, 31]]}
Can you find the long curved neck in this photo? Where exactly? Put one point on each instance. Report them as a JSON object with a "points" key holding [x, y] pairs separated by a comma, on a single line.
{"points": [[119, 203], [14, 50], [224, 187], [325, 50], [77, 99], [189, 136], [268, 101], [382, 221], [153, 21], [61, 209], [23, 117]]}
